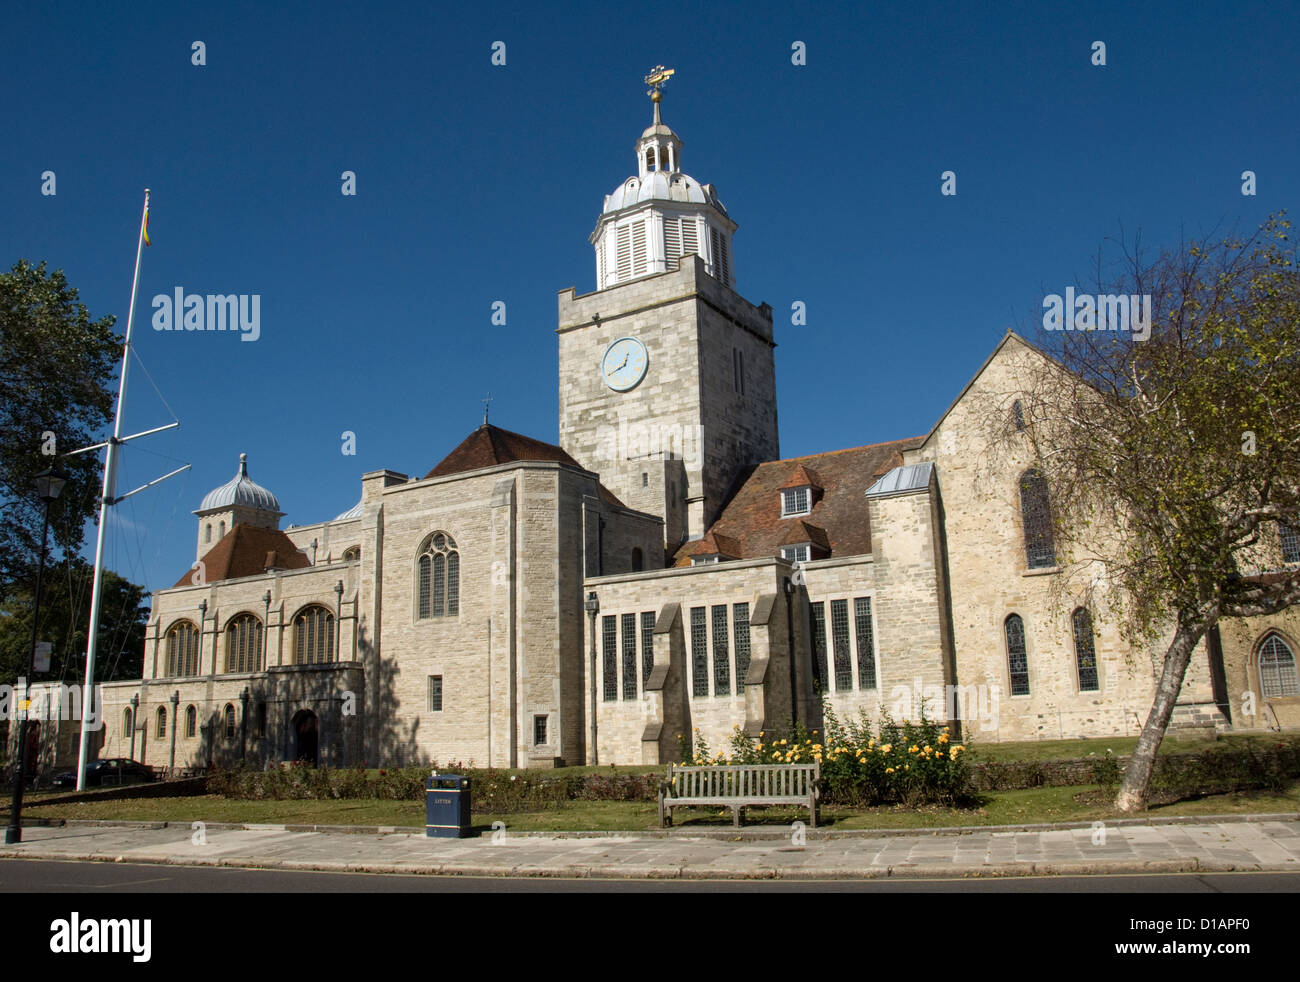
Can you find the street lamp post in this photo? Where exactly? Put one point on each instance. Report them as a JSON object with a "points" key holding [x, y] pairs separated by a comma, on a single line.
{"points": [[48, 485], [135, 708], [592, 606], [243, 725], [175, 700]]}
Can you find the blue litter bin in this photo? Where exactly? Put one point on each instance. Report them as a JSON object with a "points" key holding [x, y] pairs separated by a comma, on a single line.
{"points": [[446, 806]]}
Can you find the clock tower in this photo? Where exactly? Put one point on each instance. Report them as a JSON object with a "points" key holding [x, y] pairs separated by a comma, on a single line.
{"points": [[667, 375]]}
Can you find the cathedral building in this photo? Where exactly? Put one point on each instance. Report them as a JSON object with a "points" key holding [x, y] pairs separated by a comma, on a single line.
{"points": [[663, 573]]}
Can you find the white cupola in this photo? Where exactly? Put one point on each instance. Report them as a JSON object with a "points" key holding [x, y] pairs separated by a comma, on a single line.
{"points": [[656, 217]]}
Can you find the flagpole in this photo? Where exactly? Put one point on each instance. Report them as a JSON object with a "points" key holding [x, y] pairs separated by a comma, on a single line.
{"points": [[105, 502]]}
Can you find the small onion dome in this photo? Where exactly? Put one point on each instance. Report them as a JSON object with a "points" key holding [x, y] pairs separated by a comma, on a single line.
{"points": [[241, 492]]}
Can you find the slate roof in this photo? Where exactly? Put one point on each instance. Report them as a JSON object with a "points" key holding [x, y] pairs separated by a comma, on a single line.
{"points": [[247, 551], [838, 520]]}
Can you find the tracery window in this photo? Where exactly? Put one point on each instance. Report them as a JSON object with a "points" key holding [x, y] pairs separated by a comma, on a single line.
{"points": [[182, 649], [313, 642], [438, 578], [244, 644]]}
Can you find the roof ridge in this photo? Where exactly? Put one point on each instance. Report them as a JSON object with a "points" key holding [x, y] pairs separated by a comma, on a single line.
{"points": [[828, 453]]}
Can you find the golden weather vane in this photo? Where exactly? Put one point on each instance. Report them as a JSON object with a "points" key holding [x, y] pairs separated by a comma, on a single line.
{"points": [[657, 77]]}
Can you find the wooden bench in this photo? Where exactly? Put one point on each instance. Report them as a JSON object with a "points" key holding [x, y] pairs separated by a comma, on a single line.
{"points": [[737, 786]]}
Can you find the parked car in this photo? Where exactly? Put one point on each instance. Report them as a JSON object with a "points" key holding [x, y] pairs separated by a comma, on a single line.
{"points": [[114, 770]]}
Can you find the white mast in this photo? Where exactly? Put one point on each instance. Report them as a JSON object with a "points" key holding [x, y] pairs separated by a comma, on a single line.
{"points": [[107, 500]]}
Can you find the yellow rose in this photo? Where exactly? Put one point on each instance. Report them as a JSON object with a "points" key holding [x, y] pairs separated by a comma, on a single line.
{"points": [[889, 770]]}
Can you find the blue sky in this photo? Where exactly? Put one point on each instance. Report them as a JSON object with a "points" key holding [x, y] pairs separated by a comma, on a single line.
{"points": [[478, 183]]}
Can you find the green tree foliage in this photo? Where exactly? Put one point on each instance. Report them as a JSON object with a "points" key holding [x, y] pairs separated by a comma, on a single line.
{"points": [[56, 377], [1174, 462], [65, 620]]}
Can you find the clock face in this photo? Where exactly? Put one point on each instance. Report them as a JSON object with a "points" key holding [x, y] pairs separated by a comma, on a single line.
{"points": [[624, 364]]}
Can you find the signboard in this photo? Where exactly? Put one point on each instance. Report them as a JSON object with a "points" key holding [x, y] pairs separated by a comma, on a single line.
{"points": [[42, 660]]}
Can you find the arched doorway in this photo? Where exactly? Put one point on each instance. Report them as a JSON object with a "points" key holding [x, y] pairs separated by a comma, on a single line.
{"points": [[305, 733]]}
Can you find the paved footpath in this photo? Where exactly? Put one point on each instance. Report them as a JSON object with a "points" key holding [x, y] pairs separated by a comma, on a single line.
{"points": [[1210, 845]]}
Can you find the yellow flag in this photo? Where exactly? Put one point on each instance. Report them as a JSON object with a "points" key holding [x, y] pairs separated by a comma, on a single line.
{"points": [[146, 227]]}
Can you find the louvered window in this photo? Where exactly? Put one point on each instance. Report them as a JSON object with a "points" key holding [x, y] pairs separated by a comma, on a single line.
{"points": [[740, 619], [639, 248], [721, 653], [817, 613], [866, 643], [629, 656], [699, 652], [690, 237], [672, 240], [609, 648], [600, 263], [840, 640], [647, 644], [721, 262], [624, 253]]}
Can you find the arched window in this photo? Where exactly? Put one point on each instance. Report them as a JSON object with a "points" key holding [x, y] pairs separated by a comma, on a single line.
{"points": [[191, 720], [352, 555], [437, 575], [127, 722], [1085, 652], [313, 642], [1277, 669], [638, 561], [183, 649], [229, 718], [161, 729], [207, 536], [244, 644], [1017, 659], [221, 533], [1036, 512], [1018, 415]]}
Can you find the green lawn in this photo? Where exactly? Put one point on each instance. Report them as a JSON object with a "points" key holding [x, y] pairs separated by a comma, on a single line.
{"points": [[996, 808]]}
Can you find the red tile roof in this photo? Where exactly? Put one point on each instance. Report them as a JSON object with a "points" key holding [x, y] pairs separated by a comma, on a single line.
{"points": [[490, 445], [246, 551], [838, 520], [802, 477]]}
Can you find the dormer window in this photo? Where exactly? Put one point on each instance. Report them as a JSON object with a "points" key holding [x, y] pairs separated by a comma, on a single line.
{"points": [[796, 501], [796, 554], [704, 560]]}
